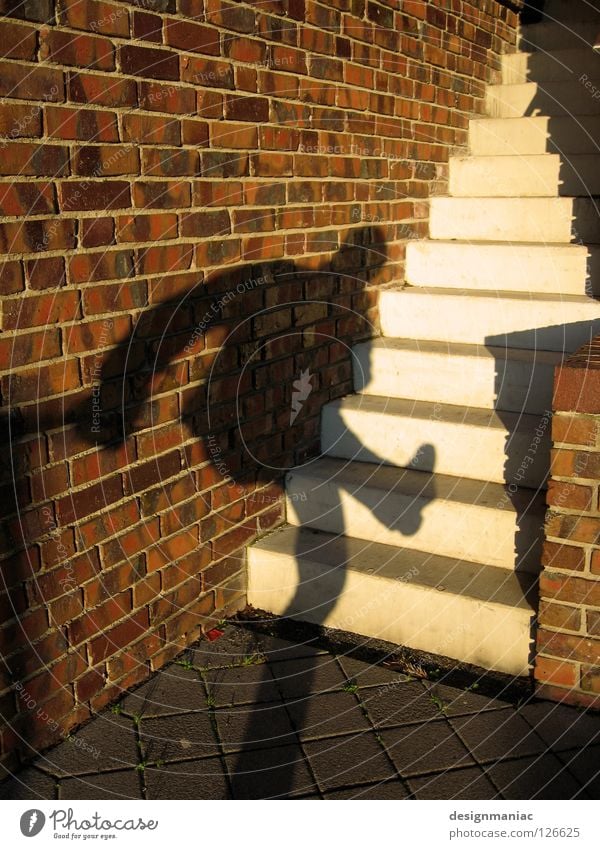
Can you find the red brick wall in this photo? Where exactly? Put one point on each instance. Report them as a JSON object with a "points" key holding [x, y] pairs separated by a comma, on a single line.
{"points": [[173, 153], [568, 640]]}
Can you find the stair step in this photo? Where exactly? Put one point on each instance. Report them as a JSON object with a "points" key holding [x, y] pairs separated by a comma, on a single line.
{"points": [[515, 219], [503, 448], [554, 35], [454, 373], [550, 66], [552, 98], [527, 267], [568, 11], [508, 319], [450, 516], [542, 175], [535, 135], [472, 612]]}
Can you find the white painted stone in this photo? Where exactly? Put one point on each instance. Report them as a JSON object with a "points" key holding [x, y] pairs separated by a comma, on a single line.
{"points": [[515, 219], [450, 516], [511, 319], [498, 266], [467, 442], [467, 611], [504, 176], [488, 377], [531, 136], [552, 98]]}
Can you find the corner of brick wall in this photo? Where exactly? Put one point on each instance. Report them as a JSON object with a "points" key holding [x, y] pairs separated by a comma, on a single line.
{"points": [[177, 149], [567, 666]]}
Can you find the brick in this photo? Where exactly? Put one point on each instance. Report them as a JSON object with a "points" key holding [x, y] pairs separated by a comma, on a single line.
{"points": [[31, 159], [575, 590], [254, 109], [204, 224], [146, 228], [559, 616], [170, 162], [575, 429], [86, 196], [195, 133], [101, 90], [19, 42], [41, 381], [84, 51], [37, 84], [161, 195], [559, 556], [146, 27], [569, 646], [158, 97], [149, 62], [559, 672], [11, 278], [566, 462], [571, 496], [27, 198], [20, 120], [37, 235], [81, 124], [94, 232], [118, 637], [232, 135], [78, 505], [105, 160], [206, 72], [94, 16], [151, 129], [190, 36], [114, 297], [573, 527]]}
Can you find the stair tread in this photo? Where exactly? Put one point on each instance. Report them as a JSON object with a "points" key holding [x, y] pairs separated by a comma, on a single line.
{"points": [[572, 247], [388, 562], [420, 484], [450, 413], [463, 349], [498, 295]]}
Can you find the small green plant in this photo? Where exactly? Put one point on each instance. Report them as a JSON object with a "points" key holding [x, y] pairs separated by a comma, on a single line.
{"points": [[350, 686], [438, 702], [137, 719], [185, 662], [116, 709], [252, 659], [472, 687], [210, 701], [141, 766]]}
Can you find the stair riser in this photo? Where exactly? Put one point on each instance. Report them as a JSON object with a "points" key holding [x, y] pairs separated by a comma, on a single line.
{"points": [[555, 220], [448, 528], [561, 65], [478, 320], [513, 385], [545, 269], [551, 35], [527, 176], [534, 136], [463, 450], [456, 626], [560, 98]]}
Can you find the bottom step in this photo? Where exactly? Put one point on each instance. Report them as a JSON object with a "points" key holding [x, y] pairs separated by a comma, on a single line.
{"points": [[474, 613]]}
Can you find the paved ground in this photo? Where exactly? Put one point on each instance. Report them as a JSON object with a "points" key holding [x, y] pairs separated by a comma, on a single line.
{"points": [[253, 716]]}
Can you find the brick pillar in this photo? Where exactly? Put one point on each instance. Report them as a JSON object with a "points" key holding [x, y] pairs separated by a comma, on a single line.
{"points": [[567, 666]]}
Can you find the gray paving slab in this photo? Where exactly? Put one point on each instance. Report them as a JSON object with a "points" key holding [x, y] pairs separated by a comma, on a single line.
{"points": [[584, 764], [274, 648], [108, 742], [175, 738], [538, 777], [29, 783], [431, 747], [240, 685], [173, 690], [562, 727], [304, 676], [468, 783], [121, 784], [369, 674], [278, 773], [498, 734], [233, 648], [399, 704], [394, 789], [342, 761], [199, 779], [254, 726], [455, 702], [326, 715]]}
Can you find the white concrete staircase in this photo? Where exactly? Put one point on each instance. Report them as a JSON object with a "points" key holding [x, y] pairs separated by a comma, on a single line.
{"points": [[421, 523]]}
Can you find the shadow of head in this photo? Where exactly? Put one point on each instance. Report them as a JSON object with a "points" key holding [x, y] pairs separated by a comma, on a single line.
{"points": [[230, 348]]}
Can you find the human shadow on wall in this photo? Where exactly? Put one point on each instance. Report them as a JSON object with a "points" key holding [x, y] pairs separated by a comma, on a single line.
{"points": [[223, 329]]}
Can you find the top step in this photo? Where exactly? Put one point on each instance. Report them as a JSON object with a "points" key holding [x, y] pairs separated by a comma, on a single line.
{"points": [[550, 66], [568, 11], [552, 35]]}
